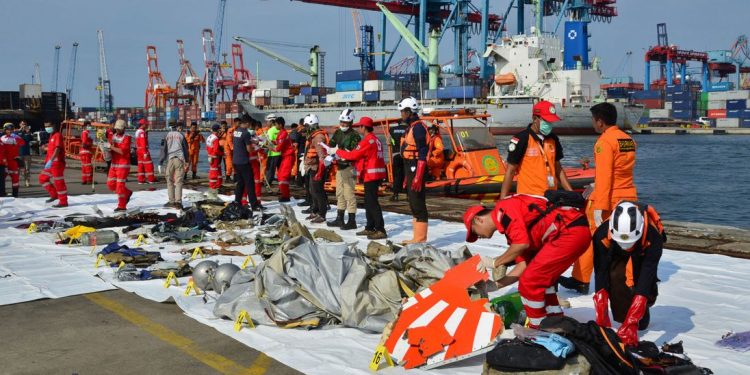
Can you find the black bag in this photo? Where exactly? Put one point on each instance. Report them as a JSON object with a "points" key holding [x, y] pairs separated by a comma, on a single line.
{"points": [[563, 198], [516, 356], [235, 211]]}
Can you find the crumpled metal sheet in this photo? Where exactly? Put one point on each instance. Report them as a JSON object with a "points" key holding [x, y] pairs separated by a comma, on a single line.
{"points": [[422, 264]]}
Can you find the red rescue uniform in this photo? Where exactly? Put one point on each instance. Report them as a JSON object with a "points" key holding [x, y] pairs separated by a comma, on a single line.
{"points": [[284, 173], [555, 242], [215, 153], [56, 188], [370, 152], [12, 143], [84, 152], [119, 170], [145, 165]]}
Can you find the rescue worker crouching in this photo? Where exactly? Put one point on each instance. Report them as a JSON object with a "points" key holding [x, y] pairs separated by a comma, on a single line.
{"points": [[614, 156], [436, 162], [534, 156], [415, 148], [345, 138], [369, 153], [315, 169], [543, 242], [634, 234]]}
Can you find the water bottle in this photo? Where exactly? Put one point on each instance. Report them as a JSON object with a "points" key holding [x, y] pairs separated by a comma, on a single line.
{"points": [[100, 237]]}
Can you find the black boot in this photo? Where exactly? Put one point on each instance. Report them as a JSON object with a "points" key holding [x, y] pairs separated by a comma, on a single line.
{"points": [[352, 223], [573, 284], [339, 222], [15, 192], [194, 176]]}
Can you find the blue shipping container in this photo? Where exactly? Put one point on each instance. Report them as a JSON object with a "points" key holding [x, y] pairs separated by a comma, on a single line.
{"points": [[468, 92], [343, 86], [736, 104], [683, 114], [372, 96], [746, 113], [675, 88], [679, 95], [720, 86], [745, 123], [735, 113], [357, 75], [310, 90], [683, 104], [650, 94]]}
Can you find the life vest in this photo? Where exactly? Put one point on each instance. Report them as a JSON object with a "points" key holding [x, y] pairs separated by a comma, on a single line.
{"points": [[536, 173], [311, 152], [410, 152]]}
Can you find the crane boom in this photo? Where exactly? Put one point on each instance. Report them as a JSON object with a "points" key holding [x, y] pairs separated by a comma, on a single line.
{"points": [[106, 103], [72, 72], [275, 56], [56, 69]]}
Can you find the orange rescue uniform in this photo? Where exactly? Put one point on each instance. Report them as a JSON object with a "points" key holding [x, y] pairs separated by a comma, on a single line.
{"points": [[614, 158], [436, 159], [536, 160], [228, 150], [194, 141]]}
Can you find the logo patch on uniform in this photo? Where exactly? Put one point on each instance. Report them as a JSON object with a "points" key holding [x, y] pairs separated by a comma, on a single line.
{"points": [[626, 145], [598, 149], [552, 109], [512, 147]]}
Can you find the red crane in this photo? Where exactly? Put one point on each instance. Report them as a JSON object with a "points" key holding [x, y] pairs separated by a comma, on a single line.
{"points": [[158, 91], [245, 82], [189, 86]]}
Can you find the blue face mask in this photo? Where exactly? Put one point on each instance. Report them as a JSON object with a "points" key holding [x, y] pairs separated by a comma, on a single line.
{"points": [[49, 130], [545, 127]]}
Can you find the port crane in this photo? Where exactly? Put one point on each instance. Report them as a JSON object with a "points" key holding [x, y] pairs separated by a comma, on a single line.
{"points": [[106, 101], [71, 74], [56, 68], [669, 55], [244, 80], [158, 92], [189, 86], [214, 78], [316, 62]]}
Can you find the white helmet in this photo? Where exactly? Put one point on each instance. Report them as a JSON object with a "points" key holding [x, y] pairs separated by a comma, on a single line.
{"points": [[270, 117], [346, 115], [311, 119], [409, 103], [626, 224]]}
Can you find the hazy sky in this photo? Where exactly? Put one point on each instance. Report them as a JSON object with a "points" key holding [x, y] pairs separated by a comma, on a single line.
{"points": [[33, 27]]}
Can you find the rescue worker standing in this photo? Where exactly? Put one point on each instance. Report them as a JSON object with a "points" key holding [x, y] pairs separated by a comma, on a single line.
{"points": [[345, 138], [272, 162], [243, 172], [228, 147], [25, 151], [84, 152], [534, 156], [145, 164], [415, 148], [369, 153], [614, 157], [316, 170], [194, 139], [215, 155], [436, 161], [174, 152], [12, 143], [397, 161], [547, 241], [634, 234], [256, 154], [285, 148], [54, 168], [118, 173]]}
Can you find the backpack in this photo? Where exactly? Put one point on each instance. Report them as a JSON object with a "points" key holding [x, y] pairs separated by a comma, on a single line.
{"points": [[516, 355], [651, 217], [557, 199]]}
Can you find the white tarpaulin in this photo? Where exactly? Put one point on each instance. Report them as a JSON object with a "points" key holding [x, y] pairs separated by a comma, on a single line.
{"points": [[701, 297]]}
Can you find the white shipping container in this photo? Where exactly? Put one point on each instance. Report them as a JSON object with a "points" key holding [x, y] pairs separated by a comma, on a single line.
{"points": [[279, 93], [274, 84], [277, 101], [387, 96], [729, 95], [345, 97], [668, 105], [717, 104], [727, 123], [379, 85], [659, 113], [257, 93]]}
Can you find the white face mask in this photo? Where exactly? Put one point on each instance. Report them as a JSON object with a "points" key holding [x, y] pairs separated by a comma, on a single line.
{"points": [[344, 128], [49, 130]]}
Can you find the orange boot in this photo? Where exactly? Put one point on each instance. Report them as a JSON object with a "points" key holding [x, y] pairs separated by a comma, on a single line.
{"points": [[420, 233]]}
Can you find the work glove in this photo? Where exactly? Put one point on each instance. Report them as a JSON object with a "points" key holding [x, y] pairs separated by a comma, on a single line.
{"points": [[416, 183], [628, 331], [210, 160], [486, 264], [601, 306], [328, 160], [332, 150], [48, 164], [598, 218], [321, 168]]}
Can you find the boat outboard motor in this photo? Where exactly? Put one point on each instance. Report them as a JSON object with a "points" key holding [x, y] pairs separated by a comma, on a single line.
{"points": [[222, 278], [203, 274]]}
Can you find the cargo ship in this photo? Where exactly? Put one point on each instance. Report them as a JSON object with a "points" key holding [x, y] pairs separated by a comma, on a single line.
{"points": [[528, 68]]}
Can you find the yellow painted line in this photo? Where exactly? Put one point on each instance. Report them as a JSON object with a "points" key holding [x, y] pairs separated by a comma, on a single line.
{"points": [[216, 361]]}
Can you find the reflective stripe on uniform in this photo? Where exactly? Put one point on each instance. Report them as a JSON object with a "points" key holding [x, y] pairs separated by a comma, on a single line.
{"points": [[376, 170], [533, 304]]}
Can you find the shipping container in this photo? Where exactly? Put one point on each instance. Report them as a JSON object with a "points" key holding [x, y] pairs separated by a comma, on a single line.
{"points": [[735, 113], [430, 95], [388, 96], [716, 113], [683, 114], [371, 96], [736, 104], [727, 123], [720, 86], [345, 97], [274, 84], [729, 95], [745, 123], [279, 93], [311, 91], [717, 104], [682, 104], [343, 86], [357, 75], [668, 105], [379, 85], [659, 113], [650, 94], [650, 103], [461, 92]]}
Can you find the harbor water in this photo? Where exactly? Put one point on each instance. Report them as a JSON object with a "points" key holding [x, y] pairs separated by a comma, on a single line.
{"points": [[693, 178]]}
